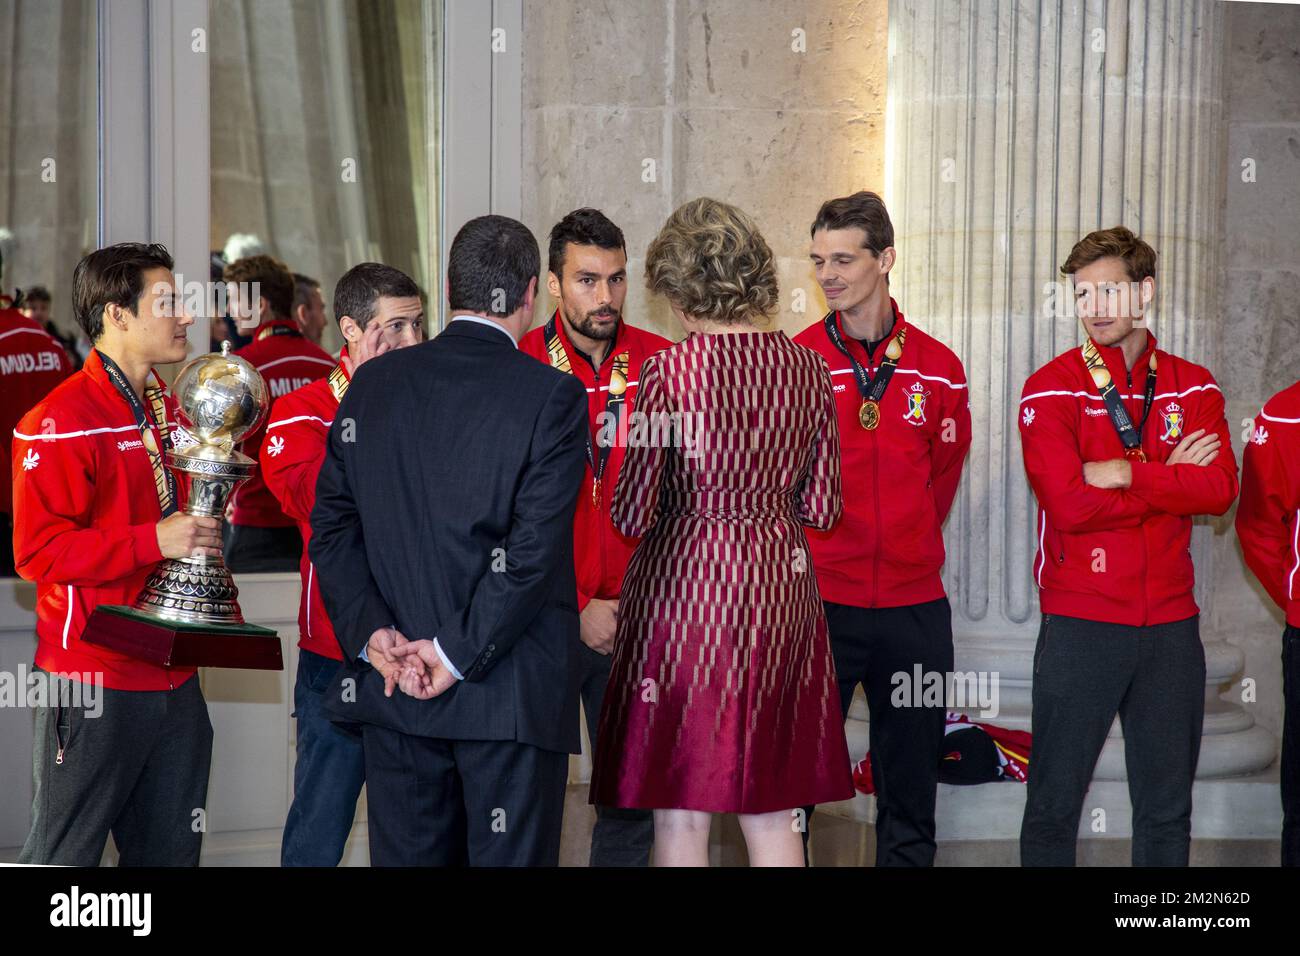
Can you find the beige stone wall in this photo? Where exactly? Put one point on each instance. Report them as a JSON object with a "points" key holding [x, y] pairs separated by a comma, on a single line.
{"points": [[717, 96], [48, 113], [1259, 353]]}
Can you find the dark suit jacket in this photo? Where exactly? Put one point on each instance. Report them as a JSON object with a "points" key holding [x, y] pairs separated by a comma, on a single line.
{"points": [[445, 508]]}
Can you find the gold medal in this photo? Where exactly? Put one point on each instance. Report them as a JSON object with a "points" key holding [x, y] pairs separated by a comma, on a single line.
{"points": [[618, 375], [595, 494], [869, 414]]}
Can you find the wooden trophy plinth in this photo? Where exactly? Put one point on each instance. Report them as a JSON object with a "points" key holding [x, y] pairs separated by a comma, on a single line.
{"points": [[176, 644]]}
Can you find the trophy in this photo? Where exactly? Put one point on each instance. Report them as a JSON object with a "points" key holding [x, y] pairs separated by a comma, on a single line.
{"points": [[187, 614]]}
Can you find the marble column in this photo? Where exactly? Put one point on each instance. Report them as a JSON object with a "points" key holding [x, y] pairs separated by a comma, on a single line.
{"points": [[1013, 128]]}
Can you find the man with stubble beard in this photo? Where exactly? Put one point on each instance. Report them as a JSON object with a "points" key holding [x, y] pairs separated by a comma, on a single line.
{"points": [[587, 337]]}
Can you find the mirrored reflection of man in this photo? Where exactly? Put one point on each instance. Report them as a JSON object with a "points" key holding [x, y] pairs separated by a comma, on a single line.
{"points": [[308, 307], [95, 509], [37, 305], [379, 310], [260, 536], [588, 337], [443, 537], [32, 362]]}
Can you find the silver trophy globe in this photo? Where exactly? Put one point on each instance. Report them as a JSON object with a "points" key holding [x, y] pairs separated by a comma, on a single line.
{"points": [[221, 398]]}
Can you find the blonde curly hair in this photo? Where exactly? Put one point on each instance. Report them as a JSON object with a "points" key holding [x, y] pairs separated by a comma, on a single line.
{"points": [[711, 262]]}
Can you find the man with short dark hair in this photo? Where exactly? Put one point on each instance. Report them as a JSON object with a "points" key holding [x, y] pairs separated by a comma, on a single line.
{"points": [[308, 307], [587, 337], [260, 289], [32, 362], [1124, 444], [95, 509], [378, 309], [36, 306], [442, 536], [904, 421]]}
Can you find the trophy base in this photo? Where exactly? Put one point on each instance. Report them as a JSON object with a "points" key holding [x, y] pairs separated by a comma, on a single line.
{"points": [[177, 644], [188, 591]]}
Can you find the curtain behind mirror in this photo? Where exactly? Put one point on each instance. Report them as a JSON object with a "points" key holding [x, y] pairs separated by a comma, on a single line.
{"points": [[324, 136], [49, 190]]}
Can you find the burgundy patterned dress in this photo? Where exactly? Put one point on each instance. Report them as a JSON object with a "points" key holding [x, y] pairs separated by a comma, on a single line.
{"points": [[722, 695]]}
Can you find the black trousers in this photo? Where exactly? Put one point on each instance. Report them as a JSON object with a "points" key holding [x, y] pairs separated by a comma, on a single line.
{"points": [[622, 836], [1291, 747], [870, 646], [436, 802], [1085, 672], [249, 550], [137, 768]]}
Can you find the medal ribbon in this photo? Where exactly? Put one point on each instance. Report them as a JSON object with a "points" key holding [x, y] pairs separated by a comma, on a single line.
{"points": [[613, 402], [145, 419], [338, 380], [872, 390], [271, 330], [1128, 434]]}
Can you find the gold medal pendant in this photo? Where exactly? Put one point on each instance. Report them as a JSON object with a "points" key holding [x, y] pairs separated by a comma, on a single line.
{"points": [[869, 414], [595, 494]]}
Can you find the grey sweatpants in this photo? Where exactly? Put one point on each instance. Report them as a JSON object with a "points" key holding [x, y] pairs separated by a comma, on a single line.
{"points": [[138, 770], [1085, 672]]}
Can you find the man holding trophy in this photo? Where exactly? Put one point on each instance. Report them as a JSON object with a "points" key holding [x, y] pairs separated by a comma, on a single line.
{"points": [[96, 509]]}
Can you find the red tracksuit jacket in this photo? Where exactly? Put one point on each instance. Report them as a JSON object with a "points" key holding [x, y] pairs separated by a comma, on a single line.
{"points": [[899, 480], [292, 452], [32, 362], [287, 361], [1121, 556], [85, 517], [1268, 516], [600, 552]]}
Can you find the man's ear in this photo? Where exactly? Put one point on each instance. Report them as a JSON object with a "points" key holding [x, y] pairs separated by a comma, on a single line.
{"points": [[553, 285], [530, 296], [887, 258], [1148, 291], [351, 331], [115, 316]]}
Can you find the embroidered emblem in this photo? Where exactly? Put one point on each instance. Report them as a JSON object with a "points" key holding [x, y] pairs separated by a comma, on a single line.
{"points": [[1174, 422], [916, 396], [1028, 417], [31, 460], [276, 446]]}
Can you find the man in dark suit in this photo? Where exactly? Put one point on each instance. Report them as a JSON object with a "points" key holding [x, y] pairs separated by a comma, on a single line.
{"points": [[442, 535]]}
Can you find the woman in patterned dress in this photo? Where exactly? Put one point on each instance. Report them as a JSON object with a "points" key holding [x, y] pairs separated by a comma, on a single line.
{"points": [[722, 696]]}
